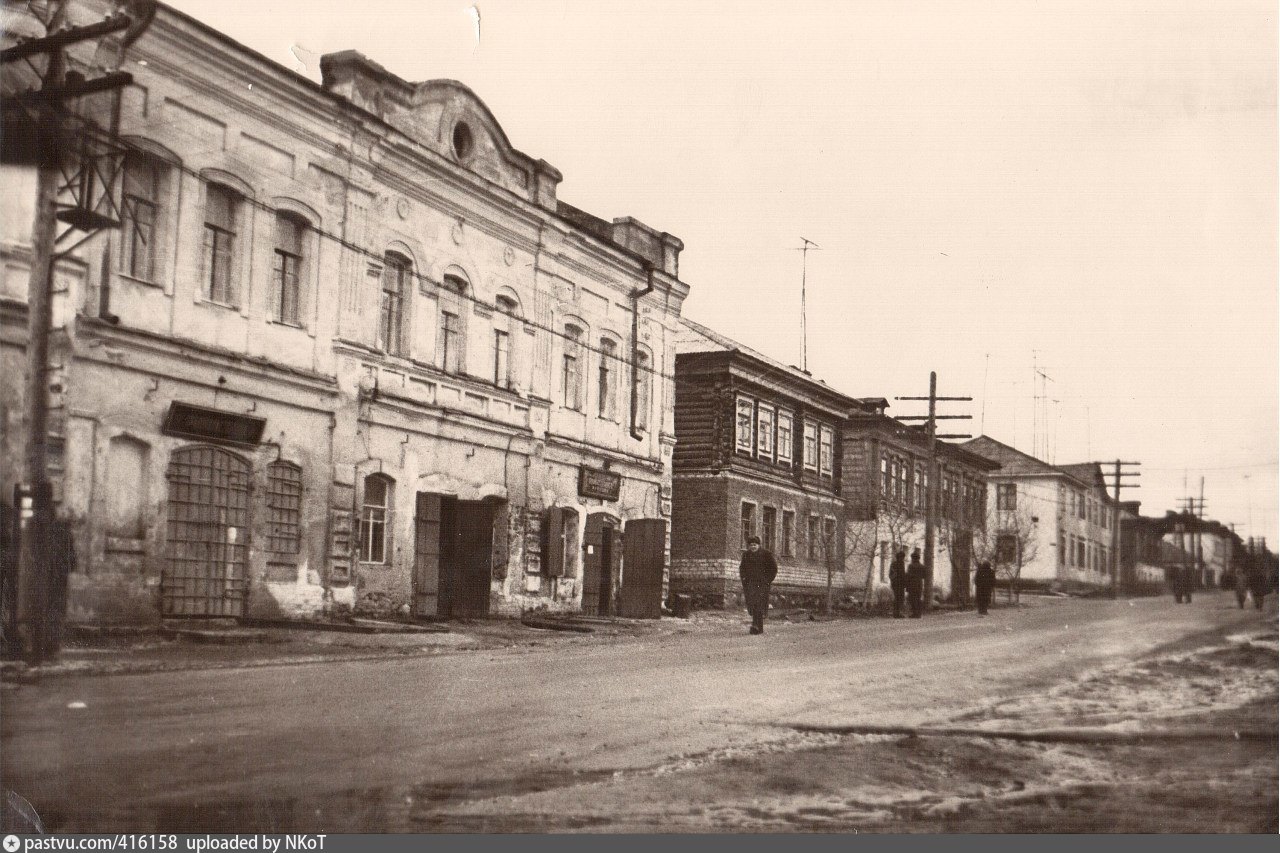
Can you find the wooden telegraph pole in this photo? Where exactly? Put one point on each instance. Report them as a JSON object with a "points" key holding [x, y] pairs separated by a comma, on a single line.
{"points": [[934, 487], [65, 204], [1117, 473]]}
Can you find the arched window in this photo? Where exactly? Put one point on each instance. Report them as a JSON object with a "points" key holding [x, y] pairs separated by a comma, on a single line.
{"points": [[607, 389], [571, 372], [396, 272], [375, 518], [287, 265], [451, 342], [222, 213]]}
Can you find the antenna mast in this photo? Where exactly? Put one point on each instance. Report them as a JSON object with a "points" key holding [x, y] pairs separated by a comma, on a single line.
{"points": [[804, 327]]}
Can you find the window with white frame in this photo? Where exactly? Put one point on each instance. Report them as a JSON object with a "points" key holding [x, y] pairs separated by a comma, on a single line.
{"points": [[788, 532], [375, 519], [786, 437], [1006, 496], [826, 451], [768, 527], [811, 446], [745, 423], [764, 432]]}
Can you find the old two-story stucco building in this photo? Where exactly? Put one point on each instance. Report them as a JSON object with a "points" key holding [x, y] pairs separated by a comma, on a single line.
{"points": [[348, 349]]}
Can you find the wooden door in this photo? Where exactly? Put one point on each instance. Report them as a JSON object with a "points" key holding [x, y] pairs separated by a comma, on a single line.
{"points": [[474, 558], [595, 569], [207, 534], [643, 546], [426, 555]]}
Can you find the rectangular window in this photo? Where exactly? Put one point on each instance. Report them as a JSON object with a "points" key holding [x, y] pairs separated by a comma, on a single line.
{"points": [[1006, 496], [644, 384], [746, 419], [286, 264], [764, 432], [140, 201], [373, 520], [904, 482], [768, 524], [219, 244], [449, 347], [395, 274], [1080, 507], [1062, 547], [811, 446], [815, 539], [786, 437], [829, 538], [284, 508], [826, 447], [748, 522], [501, 359], [886, 478], [788, 533], [1006, 549]]}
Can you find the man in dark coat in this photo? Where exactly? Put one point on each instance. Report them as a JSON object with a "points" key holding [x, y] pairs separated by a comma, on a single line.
{"points": [[1259, 583], [984, 581], [1180, 580], [915, 584], [898, 581], [757, 570]]}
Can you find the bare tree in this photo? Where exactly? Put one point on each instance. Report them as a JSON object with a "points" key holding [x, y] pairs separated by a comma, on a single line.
{"points": [[893, 524], [1008, 541]]}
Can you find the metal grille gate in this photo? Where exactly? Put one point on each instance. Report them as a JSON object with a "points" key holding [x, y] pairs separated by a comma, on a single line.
{"points": [[208, 534]]}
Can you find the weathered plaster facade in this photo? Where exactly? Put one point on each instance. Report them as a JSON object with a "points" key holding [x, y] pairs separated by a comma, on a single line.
{"points": [[434, 323]]}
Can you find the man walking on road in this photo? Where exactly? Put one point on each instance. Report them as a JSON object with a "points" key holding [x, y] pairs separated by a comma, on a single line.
{"points": [[984, 581], [915, 584], [898, 581], [757, 570]]}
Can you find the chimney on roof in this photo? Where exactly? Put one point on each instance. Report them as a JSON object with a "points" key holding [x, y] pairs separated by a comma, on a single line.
{"points": [[657, 247]]}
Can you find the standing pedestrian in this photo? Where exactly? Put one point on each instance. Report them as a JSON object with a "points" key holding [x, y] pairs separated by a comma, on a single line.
{"points": [[1259, 583], [984, 581], [1241, 584], [915, 584], [898, 581], [757, 570]]}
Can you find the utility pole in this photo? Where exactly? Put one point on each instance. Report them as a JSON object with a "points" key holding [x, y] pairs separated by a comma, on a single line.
{"points": [[1117, 473], [804, 316], [89, 190], [934, 486]]}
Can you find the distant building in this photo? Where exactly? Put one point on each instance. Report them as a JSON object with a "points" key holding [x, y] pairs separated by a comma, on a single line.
{"points": [[1055, 520], [886, 486]]}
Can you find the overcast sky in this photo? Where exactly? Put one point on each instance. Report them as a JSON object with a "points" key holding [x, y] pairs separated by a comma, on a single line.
{"points": [[1085, 187]]}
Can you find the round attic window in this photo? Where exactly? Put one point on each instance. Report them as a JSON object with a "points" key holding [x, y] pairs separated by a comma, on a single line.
{"points": [[462, 140]]}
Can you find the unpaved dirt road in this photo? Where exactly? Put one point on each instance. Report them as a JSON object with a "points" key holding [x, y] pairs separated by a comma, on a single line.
{"points": [[708, 731]]}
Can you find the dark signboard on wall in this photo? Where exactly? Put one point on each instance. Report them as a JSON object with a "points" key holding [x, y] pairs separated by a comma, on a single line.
{"points": [[597, 483]]}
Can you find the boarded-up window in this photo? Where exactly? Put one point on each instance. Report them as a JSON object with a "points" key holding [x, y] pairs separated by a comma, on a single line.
{"points": [[126, 487]]}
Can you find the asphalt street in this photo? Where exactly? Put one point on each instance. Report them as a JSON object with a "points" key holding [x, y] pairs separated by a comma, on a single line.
{"points": [[293, 747]]}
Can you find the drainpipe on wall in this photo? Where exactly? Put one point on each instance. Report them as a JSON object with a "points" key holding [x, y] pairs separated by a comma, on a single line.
{"points": [[636, 296]]}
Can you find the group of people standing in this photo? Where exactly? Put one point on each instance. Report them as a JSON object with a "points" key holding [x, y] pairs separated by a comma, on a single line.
{"points": [[758, 570]]}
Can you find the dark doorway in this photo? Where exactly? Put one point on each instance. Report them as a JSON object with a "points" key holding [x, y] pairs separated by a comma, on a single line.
{"points": [[454, 552], [601, 564], [643, 547]]}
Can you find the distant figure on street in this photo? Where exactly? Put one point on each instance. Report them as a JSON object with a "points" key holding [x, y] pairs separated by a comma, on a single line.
{"points": [[1242, 585], [898, 581], [984, 582], [1180, 580], [915, 584], [757, 570], [1259, 583]]}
